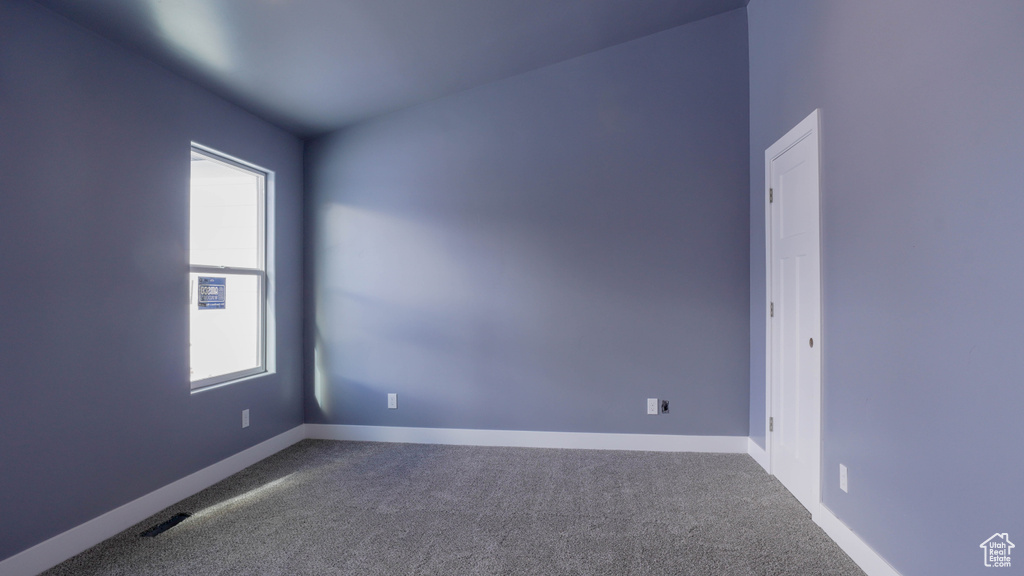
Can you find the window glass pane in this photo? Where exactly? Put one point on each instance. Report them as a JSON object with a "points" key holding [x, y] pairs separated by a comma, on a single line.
{"points": [[225, 321], [224, 214]]}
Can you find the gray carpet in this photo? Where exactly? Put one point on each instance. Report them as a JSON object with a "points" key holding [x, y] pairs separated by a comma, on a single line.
{"points": [[324, 507]]}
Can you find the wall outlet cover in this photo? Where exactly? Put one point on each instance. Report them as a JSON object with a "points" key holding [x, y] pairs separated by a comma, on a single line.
{"points": [[652, 406], [245, 418], [842, 478], [392, 401]]}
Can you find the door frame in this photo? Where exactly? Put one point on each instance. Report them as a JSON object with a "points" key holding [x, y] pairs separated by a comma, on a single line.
{"points": [[807, 128]]}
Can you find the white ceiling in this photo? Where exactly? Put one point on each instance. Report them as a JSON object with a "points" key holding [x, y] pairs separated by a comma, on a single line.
{"points": [[313, 66]]}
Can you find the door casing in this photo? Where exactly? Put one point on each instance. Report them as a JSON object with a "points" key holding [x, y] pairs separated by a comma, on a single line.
{"points": [[807, 128]]}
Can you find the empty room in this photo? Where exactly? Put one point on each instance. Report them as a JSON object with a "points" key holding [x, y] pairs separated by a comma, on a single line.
{"points": [[511, 287]]}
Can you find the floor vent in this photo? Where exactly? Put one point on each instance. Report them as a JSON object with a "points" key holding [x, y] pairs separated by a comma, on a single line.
{"points": [[165, 526]]}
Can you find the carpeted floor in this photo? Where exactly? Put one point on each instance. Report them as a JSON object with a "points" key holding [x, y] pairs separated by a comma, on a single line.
{"points": [[324, 507]]}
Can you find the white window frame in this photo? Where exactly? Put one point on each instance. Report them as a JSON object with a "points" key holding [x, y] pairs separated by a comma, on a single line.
{"points": [[265, 193]]}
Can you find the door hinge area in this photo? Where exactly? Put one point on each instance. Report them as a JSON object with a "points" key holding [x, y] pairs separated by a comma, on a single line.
{"points": [[771, 195], [771, 424], [773, 310]]}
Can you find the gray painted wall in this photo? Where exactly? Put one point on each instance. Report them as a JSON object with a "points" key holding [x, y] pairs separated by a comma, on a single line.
{"points": [[95, 409], [922, 167], [544, 252]]}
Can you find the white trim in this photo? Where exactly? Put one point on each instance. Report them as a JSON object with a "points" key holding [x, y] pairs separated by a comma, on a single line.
{"points": [[529, 439], [758, 454], [264, 195], [767, 311], [809, 127], [49, 553], [858, 550]]}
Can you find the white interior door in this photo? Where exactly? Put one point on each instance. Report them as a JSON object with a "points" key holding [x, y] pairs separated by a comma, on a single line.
{"points": [[794, 257]]}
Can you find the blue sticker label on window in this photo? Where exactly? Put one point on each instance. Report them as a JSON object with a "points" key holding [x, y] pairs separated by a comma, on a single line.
{"points": [[212, 293]]}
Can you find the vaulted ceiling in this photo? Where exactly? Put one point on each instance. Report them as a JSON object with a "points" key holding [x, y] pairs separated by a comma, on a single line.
{"points": [[313, 66]]}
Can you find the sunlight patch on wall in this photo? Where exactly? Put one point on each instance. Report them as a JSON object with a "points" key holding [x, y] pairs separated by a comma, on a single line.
{"points": [[394, 298]]}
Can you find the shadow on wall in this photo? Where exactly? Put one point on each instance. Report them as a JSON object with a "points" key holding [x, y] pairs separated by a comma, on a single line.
{"points": [[478, 326]]}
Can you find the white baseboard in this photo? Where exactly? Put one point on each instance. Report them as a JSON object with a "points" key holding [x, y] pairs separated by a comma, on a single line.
{"points": [[51, 552], [858, 550], [529, 439], [760, 455], [65, 545], [869, 561]]}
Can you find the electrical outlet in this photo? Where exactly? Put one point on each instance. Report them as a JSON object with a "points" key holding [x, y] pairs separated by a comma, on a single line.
{"points": [[652, 406], [842, 478], [664, 406], [245, 418], [392, 401]]}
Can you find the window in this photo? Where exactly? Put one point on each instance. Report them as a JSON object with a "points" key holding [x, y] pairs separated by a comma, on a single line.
{"points": [[227, 269]]}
